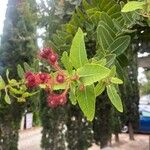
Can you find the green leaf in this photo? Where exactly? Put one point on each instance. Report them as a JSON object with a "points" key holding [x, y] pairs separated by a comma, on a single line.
{"points": [[105, 35], [120, 45], [112, 71], [99, 88], [114, 97], [91, 73], [7, 98], [20, 71], [35, 65], [7, 74], [72, 95], [16, 91], [66, 62], [86, 5], [23, 87], [123, 60], [27, 67], [86, 101], [21, 99], [60, 86], [120, 70], [78, 54], [116, 80], [13, 82], [110, 60], [101, 62], [2, 83], [27, 94], [133, 5], [107, 19], [80, 14]]}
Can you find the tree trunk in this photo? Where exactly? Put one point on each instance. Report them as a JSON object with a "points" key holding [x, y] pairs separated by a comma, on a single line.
{"points": [[116, 137], [131, 132]]}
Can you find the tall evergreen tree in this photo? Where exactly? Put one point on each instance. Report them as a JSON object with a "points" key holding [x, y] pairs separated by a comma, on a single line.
{"points": [[78, 129], [18, 45], [130, 90]]}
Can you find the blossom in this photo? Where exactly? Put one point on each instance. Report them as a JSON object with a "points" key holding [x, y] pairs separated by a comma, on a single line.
{"points": [[49, 55], [45, 53], [43, 78], [30, 79], [55, 100]]}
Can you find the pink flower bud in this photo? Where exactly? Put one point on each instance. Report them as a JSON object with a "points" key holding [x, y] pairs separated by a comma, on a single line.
{"points": [[45, 53], [60, 78], [30, 79]]}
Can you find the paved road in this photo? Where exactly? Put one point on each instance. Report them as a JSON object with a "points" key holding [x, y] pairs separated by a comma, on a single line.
{"points": [[30, 139]]}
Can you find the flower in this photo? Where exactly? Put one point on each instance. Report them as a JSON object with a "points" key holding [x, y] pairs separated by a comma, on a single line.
{"points": [[49, 55], [45, 53], [43, 78], [60, 78], [30, 79], [55, 100], [53, 57]]}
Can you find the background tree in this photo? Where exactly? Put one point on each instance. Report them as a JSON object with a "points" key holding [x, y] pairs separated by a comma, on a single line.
{"points": [[144, 46], [18, 45], [77, 127]]}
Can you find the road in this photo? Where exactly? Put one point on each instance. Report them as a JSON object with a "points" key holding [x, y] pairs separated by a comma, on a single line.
{"points": [[30, 140]]}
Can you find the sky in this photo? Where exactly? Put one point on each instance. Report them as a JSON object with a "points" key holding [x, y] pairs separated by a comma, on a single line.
{"points": [[3, 6]]}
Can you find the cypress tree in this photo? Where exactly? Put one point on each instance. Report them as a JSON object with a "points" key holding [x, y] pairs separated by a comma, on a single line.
{"points": [[130, 92], [102, 124], [18, 45], [78, 133]]}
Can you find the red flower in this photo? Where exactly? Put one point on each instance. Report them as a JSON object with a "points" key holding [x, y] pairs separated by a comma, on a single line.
{"points": [[53, 57], [45, 53], [52, 100], [63, 100], [55, 100], [43, 77], [49, 54], [60, 78], [31, 80]]}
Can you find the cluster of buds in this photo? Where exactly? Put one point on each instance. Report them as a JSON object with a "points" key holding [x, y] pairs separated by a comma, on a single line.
{"points": [[34, 79], [49, 55], [55, 100]]}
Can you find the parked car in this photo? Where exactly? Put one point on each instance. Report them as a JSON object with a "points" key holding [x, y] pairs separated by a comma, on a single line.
{"points": [[144, 121]]}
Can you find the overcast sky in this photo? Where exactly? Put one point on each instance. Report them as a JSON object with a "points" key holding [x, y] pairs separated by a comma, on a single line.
{"points": [[3, 6]]}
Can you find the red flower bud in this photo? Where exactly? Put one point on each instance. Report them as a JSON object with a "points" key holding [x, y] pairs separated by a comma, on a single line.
{"points": [[60, 78], [45, 53], [62, 100], [43, 77], [55, 100], [52, 102], [53, 58], [31, 80]]}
